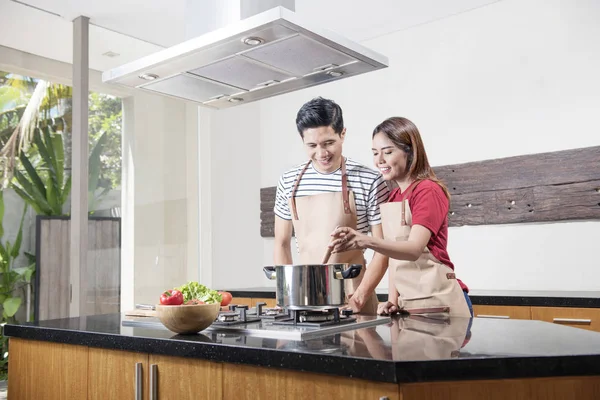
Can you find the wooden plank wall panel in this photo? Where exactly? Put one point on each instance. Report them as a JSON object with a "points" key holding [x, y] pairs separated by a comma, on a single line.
{"points": [[104, 272], [102, 278], [54, 269], [545, 187], [556, 168]]}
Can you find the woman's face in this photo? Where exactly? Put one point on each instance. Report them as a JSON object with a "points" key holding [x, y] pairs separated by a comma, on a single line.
{"points": [[388, 158]]}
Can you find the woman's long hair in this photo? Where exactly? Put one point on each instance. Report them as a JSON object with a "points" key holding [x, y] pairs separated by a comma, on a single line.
{"points": [[405, 135]]}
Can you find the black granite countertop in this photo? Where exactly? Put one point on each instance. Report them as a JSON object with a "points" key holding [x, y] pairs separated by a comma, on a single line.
{"points": [[407, 350], [538, 298]]}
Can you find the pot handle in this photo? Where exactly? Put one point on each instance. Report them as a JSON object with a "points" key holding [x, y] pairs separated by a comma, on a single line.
{"points": [[352, 272], [270, 273]]}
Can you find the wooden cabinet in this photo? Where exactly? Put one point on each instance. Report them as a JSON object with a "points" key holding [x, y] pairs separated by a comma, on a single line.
{"points": [[251, 302], [183, 378], [242, 301], [113, 374], [270, 302], [43, 370], [585, 318], [257, 383], [506, 312], [555, 388], [116, 374]]}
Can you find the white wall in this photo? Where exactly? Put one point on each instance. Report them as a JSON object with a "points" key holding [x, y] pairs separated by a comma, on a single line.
{"points": [[515, 77], [236, 246]]}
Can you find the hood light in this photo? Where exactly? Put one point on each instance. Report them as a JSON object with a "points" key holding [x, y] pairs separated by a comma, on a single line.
{"points": [[148, 77], [235, 99], [335, 74], [253, 41]]}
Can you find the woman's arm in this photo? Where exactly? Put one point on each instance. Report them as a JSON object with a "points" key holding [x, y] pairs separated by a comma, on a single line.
{"points": [[392, 291], [373, 275], [410, 250]]}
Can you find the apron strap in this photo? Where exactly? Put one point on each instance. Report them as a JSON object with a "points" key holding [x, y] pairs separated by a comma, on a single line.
{"points": [[409, 190], [293, 194], [345, 194]]}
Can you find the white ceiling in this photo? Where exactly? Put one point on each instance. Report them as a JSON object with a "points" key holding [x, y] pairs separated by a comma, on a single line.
{"points": [[366, 19], [47, 35], [160, 22], [134, 28]]}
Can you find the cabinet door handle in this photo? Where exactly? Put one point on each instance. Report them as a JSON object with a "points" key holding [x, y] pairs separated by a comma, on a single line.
{"points": [[153, 382], [138, 381], [572, 321], [492, 316]]}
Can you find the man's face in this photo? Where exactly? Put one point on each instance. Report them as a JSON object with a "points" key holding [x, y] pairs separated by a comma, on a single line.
{"points": [[324, 147]]}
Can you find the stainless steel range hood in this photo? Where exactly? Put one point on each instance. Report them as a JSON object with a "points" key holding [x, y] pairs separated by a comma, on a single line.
{"points": [[265, 55]]}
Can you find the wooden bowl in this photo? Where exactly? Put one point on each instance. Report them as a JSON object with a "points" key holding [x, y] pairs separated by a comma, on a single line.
{"points": [[187, 319]]}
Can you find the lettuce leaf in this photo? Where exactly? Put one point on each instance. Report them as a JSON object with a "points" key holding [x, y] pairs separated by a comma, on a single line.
{"points": [[194, 290]]}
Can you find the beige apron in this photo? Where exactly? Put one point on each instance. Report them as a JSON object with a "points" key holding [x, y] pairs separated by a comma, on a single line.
{"points": [[426, 285], [320, 215]]}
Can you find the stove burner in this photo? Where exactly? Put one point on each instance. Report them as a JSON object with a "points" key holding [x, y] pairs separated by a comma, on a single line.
{"points": [[227, 316], [270, 314], [234, 317], [316, 318]]}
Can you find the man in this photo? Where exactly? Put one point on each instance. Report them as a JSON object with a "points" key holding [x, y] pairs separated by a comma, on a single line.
{"points": [[315, 197]]}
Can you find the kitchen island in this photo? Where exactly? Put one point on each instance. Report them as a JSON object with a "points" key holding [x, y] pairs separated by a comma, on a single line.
{"points": [[409, 358]]}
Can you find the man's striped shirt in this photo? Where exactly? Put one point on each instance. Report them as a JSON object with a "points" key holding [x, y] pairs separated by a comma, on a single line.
{"points": [[368, 187]]}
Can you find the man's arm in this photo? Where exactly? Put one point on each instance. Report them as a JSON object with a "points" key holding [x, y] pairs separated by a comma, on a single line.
{"points": [[282, 254]]}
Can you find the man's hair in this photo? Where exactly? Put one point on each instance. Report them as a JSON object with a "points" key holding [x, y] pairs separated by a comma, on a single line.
{"points": [[320, 112]]}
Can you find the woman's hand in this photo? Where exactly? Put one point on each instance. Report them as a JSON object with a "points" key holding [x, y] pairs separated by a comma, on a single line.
{"points": [[387, 308], [345, 239], [356, 302]]}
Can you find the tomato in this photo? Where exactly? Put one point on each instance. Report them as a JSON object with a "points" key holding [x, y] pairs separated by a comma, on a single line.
{"points": [[193, 302], [226, 298], [172, 297]]}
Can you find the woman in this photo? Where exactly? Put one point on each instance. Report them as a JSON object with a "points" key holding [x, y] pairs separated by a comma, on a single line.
{"points": [[415, 228]]}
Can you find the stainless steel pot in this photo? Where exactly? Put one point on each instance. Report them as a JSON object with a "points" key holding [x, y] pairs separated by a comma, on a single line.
{"points": [[306, 286]]}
